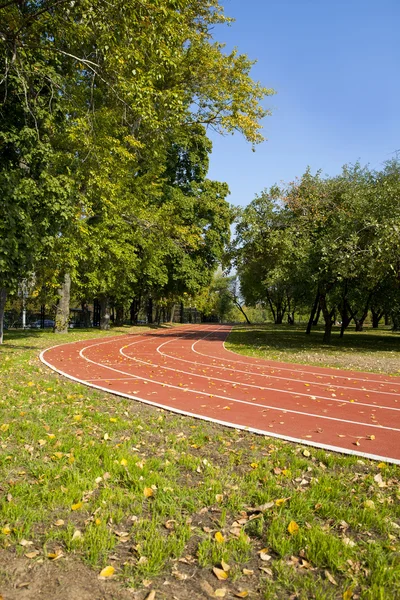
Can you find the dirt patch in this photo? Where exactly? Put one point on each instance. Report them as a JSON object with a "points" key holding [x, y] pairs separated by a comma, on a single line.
{"points": [[65, 579]]}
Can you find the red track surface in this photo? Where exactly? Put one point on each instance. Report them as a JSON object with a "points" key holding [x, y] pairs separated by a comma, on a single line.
{"points": [[188, 370]]}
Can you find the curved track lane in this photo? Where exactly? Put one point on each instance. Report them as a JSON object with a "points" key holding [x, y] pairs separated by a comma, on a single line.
{"points": [[188, 370]]}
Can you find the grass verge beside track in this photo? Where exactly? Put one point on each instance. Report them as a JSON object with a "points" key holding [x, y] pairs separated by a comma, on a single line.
{"points": [[375, 350], [178, 506]]}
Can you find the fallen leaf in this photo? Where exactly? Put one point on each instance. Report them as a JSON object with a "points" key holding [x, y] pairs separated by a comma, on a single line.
{"points": [[148, 492], [293, 527], [264, 556], [124, 462], [225, 566], [348, 594], [107, 572], [242, 594], [219, 497], [59, 523], [220, 593], [306, 453], [55, 555], [220, 574], [151, 596], [219, 537], [32, 554], [248, 572], [370, 437], [77, 506], [330, 578], [206, 587], [25, 543]]}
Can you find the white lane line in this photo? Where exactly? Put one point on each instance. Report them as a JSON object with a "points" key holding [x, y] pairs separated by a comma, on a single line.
{"points": [[271, 366], [269, 434], [343, 402], [230, 399]]}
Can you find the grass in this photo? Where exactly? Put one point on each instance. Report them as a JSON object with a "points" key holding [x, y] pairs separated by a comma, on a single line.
{"points": [[375, 350], [105, 481]]}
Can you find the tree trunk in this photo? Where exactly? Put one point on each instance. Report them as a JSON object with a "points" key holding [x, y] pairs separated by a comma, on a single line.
{"points": [[271, 307], [387, 319], [327, 318], [242, 311], [376, 317], [150, 310], [119, 315], [172, 314], [345, 318], [182, 315], [315, 321], [134, 310], [62, 308], [85, 314], [312, 314], [3, 298], [104, 313]]}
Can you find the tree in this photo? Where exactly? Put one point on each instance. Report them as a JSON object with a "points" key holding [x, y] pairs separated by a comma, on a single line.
{"points": [[85, 103]]}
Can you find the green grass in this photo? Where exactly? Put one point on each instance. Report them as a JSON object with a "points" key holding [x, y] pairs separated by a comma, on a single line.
{"points": [[376, 350], [65, 446]]}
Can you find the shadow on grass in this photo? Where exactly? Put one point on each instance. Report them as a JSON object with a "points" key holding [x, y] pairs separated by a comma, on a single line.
{"points": [[285, 338]]}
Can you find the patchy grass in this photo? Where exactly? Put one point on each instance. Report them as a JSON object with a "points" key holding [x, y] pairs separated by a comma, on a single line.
{"points": [[375, 350], [176, 505]]}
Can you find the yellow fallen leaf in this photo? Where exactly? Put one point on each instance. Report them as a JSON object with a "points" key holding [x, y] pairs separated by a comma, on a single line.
{"points": [[71, 460], [124, 462], [348, 594], [242, 594], [225, 566], [77, 506], [219, 497], [113, 420], [254, 465], [293, 527], [220, 593], [382, 465], [148, 492], [59, 523], [220, 574], [107, 572], [32, 554], [78, 418], [5, 427], [6, 530], [281, 501], [248, 572], [97, 521], [330, 578], [219, 537], [370, 437]]}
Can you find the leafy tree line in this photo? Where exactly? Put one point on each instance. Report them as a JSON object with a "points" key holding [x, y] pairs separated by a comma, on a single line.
{"points": [[326, 245], [103, 148]]}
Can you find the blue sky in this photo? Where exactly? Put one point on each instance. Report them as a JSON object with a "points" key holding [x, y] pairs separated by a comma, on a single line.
{"points": [[335, 67]]}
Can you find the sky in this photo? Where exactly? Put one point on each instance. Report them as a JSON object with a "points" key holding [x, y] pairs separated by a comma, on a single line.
{"points": [[335, 67]]}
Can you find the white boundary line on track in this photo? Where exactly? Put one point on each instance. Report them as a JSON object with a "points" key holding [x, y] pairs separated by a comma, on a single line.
{"points": [[342, 402], [312, 444], [228, 398]]}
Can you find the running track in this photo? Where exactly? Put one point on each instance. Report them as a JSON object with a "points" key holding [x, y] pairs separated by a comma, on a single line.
{"points": [[188, 370]]}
